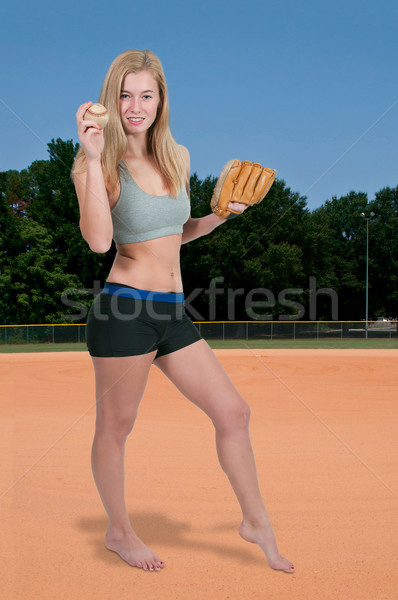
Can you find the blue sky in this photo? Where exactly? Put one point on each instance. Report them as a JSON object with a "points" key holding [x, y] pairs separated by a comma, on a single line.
{"points": [[309, 88]]}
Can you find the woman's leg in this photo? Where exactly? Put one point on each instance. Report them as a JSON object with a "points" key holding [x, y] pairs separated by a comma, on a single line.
{"points": [[197, 373], [120, 384]]}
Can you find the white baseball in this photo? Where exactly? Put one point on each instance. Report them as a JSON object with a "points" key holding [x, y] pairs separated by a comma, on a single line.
{"points": [[98, 114]]}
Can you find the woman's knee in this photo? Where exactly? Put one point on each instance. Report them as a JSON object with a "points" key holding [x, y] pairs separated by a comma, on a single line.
{"points": [[233, 418], [114, 427]]}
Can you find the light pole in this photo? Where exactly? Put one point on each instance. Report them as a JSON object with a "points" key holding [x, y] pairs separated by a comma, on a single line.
{"points": [[367, 217]]}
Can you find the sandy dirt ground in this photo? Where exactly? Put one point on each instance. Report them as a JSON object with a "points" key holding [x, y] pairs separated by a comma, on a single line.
{"points": [[324, 428]]}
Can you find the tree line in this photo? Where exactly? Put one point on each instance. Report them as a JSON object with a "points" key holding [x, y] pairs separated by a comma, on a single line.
{"points": [[277, 260]]}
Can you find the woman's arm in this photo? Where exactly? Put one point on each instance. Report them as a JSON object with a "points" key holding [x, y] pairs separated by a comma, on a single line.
{"points": [[95, 215], [195, 228]]}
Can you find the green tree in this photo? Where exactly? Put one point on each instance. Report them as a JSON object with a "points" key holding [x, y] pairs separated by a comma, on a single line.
{"points": [[32, 283], [276, 246], [15, 187], [53, 204], [258, 249], [340, 221], [42, 252], [383, 254], [11, 244]]}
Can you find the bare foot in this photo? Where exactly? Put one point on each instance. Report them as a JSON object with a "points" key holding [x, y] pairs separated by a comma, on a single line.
{"points": [[131, 549], [265, 538]]}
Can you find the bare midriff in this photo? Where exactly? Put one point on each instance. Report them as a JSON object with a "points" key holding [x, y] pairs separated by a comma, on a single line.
{"points": [[152, 265]]}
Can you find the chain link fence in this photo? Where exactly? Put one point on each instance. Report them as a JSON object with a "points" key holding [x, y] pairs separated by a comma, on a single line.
{"points": [[293, 330], [217, 330], [42, 334]]}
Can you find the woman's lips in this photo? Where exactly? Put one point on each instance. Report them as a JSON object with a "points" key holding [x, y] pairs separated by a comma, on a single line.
{"points": [[135, 120]]}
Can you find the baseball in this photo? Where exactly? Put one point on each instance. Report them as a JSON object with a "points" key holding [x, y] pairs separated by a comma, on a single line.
{"points": [[97, 113]]}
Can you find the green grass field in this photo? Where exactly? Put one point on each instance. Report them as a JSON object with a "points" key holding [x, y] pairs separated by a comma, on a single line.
{"points": [[274, 344]]}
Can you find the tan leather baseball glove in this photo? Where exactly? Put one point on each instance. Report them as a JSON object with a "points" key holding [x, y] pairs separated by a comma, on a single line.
{"points": [[243, 182]]}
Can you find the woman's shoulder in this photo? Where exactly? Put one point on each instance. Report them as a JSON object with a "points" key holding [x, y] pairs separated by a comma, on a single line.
{"points": [[185, 156], [184, 151]]}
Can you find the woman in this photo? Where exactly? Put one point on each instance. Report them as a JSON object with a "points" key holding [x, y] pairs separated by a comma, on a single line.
{"points": [[132, 183]]}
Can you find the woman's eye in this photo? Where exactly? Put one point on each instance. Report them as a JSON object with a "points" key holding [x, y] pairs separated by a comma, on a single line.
{"points": [[146, 97], [123, 95]]}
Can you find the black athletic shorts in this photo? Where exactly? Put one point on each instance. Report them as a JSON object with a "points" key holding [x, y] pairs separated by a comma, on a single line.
{"points": [[126, 321]]}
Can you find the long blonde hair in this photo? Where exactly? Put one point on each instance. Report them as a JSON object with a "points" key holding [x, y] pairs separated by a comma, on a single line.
{"points": [[161, 143]]}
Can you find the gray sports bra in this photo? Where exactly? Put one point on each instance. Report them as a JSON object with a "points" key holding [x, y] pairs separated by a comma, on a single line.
{"points": [[138, 216]]}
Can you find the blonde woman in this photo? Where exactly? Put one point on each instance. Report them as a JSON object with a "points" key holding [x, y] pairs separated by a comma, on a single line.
{"points": [[132, 183]]}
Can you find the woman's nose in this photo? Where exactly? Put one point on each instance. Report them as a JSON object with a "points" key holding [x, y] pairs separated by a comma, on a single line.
{"points": [[135, 105]]}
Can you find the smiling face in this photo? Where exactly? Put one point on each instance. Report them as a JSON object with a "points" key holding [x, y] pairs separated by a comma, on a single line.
{"points": [[139, 101]]}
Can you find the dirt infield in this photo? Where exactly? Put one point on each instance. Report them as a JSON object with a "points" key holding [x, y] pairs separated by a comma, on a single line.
{"points": [[324, 429]]}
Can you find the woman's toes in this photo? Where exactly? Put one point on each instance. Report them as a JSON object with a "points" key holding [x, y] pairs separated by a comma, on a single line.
{"points": [[158, 564], [289, 568]]}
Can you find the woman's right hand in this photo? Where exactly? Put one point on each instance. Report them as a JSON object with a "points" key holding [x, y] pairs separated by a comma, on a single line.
{"points": [[91, 135]]}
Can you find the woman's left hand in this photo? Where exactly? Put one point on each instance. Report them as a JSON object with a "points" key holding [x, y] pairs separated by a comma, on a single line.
{"points": [[237, 206]]}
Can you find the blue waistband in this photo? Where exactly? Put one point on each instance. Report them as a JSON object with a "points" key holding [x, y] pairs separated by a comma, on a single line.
{"points": [[136, 294]]}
